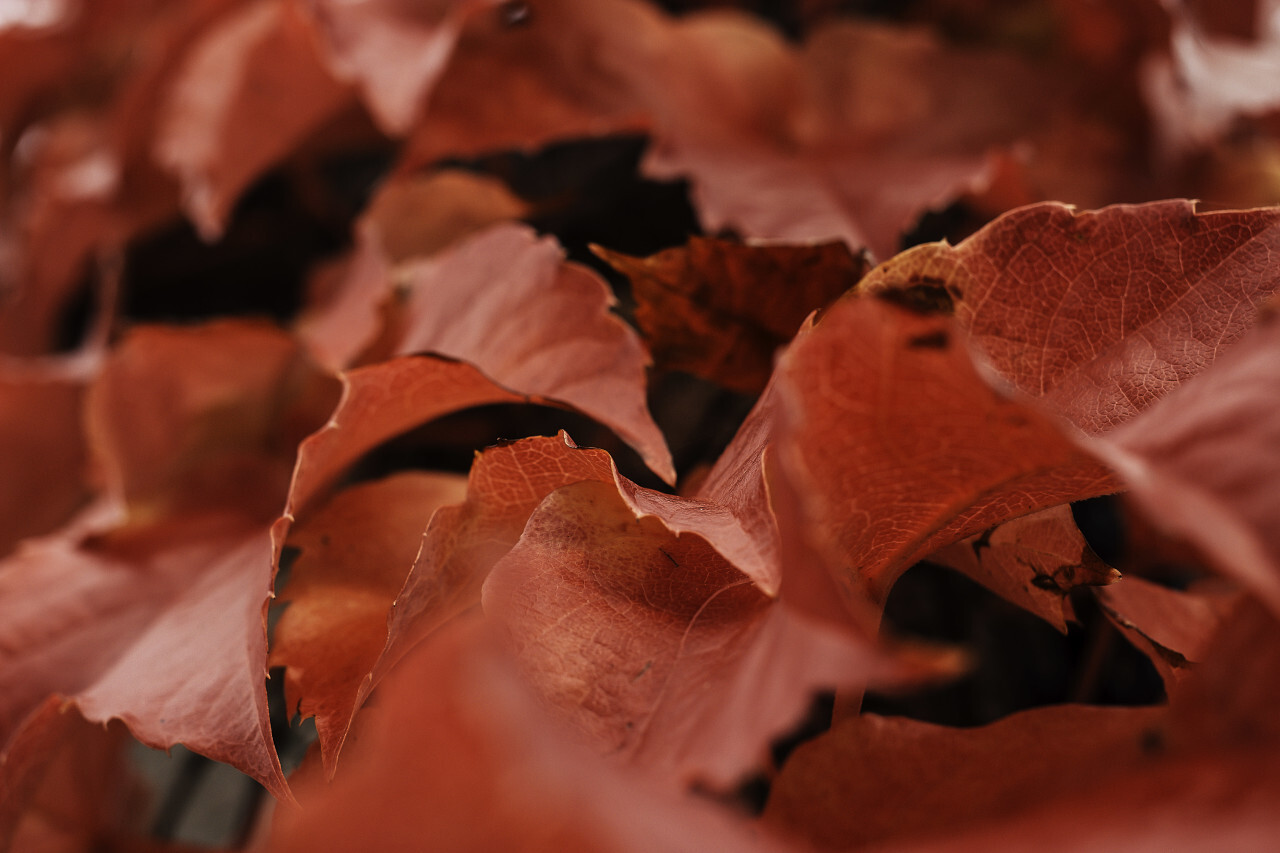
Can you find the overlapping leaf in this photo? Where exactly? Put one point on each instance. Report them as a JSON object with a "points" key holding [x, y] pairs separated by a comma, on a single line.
{"points": [[515, 780], [722, 309], [193, 431]]}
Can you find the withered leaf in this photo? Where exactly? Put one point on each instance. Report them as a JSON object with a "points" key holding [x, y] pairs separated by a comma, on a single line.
{"points": [[721, 309]]}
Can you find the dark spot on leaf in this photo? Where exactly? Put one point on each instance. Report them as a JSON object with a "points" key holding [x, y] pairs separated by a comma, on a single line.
{"points": [[931, 340], [928, 297], [1046, 582], [981, 543], [1151, 742]]}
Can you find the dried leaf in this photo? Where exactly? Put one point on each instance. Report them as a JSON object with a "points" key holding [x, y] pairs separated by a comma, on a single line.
{"points": [[872, 778], [355, 552], [248, 92], [515, 780], [897, 446], [721, 309], [653, 645], [1099, 313], [1034, 562]]}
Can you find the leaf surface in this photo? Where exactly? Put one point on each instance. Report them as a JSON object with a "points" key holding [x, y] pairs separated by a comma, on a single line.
{"points": [[721, 309], [896, 445], [1100, 313], [653, 645], [355, 553], [1202, 462], [874, 778], [516, 780], [248, 92], [1033, 561]]}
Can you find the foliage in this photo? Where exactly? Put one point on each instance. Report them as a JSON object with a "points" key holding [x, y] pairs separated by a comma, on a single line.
{"points": [[303, 300]]}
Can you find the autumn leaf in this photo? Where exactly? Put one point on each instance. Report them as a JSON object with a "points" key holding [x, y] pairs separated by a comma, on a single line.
{"points": [[247, 93], [1033, 561], [654, 646], [185, 596], [536, 330], [463, 543], [896, 445], [874, 778], [42, 452], [721, 309], [771, 139], [410, 216], [516, 780], [1099, 313], [394, 52], [354, 555], [1201, 462], [57, 800], [192, 431], [551, 69], [1171, 627]]}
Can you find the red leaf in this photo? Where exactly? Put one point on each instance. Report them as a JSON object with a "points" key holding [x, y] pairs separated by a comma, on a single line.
{"points": [[42, 453], [394, 51], [203, 416], [248, 92], [1100, 313], [1171, 627], [896, 445], [721, 309], [411, 216], [1222, 802], [532, 324], [871, 778], [356, 551], [1033, 561], [1203, 462], [767, 135], [167, 603], [55, 798], [547, 69], [192, 430], [459, 753], [656, 647]]}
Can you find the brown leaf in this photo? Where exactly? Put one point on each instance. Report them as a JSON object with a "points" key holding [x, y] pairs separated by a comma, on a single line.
{"points": [[168, 575], [356, 551], [1223, 802], [774, 147], [871, 778], [1171, 627], [55, 798], [410, 216], [460, 753], [507, 483], [42, 453], [654, 646], [721, 309], [394, 51], [247, 93], [535, 328], [1033, 561], [176, 646], [896, 445], [1099, 313], [218, 430], [525, 74], [1203, 462]]}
